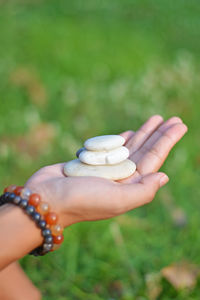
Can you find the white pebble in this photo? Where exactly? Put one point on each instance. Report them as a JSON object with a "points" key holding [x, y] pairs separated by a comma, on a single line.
{"points": [[113, 172], [104, 142], [110, 157]]}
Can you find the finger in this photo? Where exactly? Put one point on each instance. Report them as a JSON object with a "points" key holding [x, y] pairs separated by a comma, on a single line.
{"points": [[127, 135], [152, 157], [52, 170], [144, 133], [138, 194], [136, 156]]}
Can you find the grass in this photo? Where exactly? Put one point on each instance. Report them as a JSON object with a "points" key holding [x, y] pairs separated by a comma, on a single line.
{"points": [[74, 70]]}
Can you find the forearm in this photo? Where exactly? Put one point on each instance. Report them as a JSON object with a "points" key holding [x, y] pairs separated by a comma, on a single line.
{"points": [[15, 285], [18, 234]]}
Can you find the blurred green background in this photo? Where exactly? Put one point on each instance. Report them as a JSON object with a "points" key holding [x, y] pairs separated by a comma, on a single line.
{"points": [[70, 70]]}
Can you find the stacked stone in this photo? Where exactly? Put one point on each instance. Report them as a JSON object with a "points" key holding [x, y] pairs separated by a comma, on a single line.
{"points": [[102, 156]]}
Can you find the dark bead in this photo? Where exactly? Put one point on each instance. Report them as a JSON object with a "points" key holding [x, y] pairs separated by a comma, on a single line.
{"points": [[30, 210], [17, 200], [42, 224], [48, 239], [23, 203], [46, 232], [47, 247], [40, 250], [11, 197], [6, 195], [37, 251], [2, 200], [36, 216]]}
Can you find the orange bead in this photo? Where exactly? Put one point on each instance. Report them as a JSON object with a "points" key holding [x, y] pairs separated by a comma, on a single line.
{"points": [[55, 247], [18, 190], [58, 239], [5, 190], [51, 218], [10, 188], [56, 229], [43, 208], [34, 200]]}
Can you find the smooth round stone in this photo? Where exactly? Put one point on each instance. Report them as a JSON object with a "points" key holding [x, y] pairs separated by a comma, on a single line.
{"points": [[110, 157], [79, 151], [113, 172], [104, 142]]}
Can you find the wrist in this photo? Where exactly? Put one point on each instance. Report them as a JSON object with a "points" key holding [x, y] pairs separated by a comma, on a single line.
{"points": [[17, 232], [40, 213], [48, 198], [61, 206]]}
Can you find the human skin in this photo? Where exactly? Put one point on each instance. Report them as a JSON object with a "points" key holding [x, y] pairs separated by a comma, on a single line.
{"points": [[78, 199], [15, 285]]}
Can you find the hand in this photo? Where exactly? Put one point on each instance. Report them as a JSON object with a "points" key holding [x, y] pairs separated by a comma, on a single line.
{"points": [[78, 199], [151, 144]]}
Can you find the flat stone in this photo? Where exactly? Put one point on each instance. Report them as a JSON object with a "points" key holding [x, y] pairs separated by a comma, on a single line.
{"points": [[110, 157], [113, 172], [79, 151], [104, 142]]}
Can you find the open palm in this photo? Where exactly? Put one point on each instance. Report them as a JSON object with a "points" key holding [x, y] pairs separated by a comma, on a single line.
{"points": [[79, 199]]}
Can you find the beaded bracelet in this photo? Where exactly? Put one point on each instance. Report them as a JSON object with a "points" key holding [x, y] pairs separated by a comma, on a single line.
{"points": [[39, 212]]}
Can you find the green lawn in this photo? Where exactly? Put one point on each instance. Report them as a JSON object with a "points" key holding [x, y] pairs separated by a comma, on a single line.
{"points": [[69, 71]]}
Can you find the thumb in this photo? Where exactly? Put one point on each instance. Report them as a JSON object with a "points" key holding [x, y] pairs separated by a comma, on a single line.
{"points": [[142, 192], [155, 180]]}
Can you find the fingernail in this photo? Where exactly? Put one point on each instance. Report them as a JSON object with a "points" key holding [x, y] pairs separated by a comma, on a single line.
{"points": [[163, 180]]}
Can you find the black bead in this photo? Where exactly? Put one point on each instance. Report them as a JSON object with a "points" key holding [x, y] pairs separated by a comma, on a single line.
{"points": [[48, 239], [30, 210], [17, 200], [46, 232], [5, 198], [36, 216], [42, 250], [2, 200], [37, 251], [47, 247], [23, 203], [6, 195], [11, 197], [42, 224]]}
